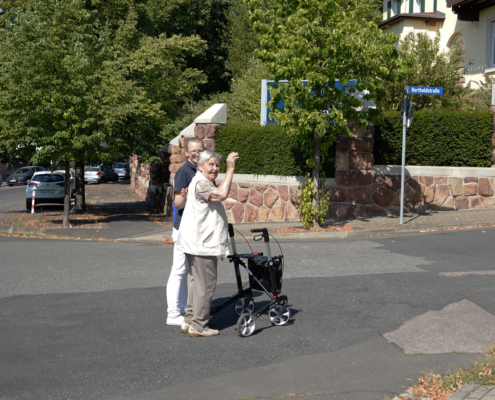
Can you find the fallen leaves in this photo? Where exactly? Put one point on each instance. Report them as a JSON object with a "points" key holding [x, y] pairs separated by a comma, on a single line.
{"points": [[322, 229], [440, 387]]}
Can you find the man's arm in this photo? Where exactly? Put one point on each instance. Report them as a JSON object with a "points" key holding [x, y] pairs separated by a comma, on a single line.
{"points": [[222, 192], [179, 200], [180, 183]]}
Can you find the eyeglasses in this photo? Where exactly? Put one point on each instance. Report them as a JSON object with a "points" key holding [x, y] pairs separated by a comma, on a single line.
{"points": [[195, 151]]}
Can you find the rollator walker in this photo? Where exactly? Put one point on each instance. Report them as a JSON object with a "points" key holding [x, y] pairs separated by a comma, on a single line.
{"points": [[265, 274]]}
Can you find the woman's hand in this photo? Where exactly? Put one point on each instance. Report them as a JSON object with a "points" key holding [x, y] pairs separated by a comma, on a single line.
{"points": [[183, 193], [231, 160]]}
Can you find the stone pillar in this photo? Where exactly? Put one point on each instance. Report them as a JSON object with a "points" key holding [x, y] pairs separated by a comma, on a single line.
{"points": [[354, 161], [353, 173], [205, 127]]}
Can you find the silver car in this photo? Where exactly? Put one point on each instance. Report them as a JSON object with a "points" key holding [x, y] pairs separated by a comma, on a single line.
{"points": [[100, 174], [122, 170]]}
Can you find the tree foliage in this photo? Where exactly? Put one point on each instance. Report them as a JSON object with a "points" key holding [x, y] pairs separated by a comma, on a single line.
{"points": [[203, 18], [425, 64], [240, 39], [322, 41], [70, 84]]}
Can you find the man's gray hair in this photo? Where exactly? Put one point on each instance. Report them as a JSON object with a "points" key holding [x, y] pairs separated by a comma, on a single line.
{"points": [[205, 155]]}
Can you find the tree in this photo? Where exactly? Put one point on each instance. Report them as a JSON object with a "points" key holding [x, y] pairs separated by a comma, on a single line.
{"points": [[322, 41], [204, 18], [67, 87], [239, 38], [423, 63]]}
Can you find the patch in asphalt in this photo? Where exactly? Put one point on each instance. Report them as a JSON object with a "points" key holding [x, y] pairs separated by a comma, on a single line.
{"points": [[458, 327], [464, 273]]}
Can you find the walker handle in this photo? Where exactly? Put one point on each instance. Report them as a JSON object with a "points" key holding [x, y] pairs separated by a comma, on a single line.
{"points": [[232, 239], [264, 231]]}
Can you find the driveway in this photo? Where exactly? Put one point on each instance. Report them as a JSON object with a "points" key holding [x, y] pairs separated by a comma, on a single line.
{"points": [[114, 211]]}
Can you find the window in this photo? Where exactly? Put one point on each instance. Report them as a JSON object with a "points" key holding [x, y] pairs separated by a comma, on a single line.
{"points": [[48, 178], [398, 4], [389, 9], [416, 6], [434, 5]]}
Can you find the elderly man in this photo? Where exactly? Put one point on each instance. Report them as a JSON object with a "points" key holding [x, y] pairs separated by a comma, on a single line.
{"points": [[203, 238], [177, 282]]}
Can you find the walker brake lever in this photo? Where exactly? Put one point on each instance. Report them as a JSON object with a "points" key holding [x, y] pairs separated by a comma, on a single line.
{"points": [[257, 238]]}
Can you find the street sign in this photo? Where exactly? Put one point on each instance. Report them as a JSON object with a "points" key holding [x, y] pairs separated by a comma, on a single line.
{"points": [[407, 109], [266, 97], [437, 91]]}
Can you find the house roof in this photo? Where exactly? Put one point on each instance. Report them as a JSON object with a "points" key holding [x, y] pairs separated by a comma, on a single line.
{"points": [[469, 10], [436, 16]]}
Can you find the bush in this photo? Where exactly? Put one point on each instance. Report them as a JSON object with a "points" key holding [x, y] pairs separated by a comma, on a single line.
{"points": [[266, 150], [436, 138]]}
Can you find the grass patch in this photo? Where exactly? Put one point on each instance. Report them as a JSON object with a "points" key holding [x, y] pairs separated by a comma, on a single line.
{"points": [[440, 387]]}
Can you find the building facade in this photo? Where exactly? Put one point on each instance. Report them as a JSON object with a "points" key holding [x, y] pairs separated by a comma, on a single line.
{"points": [[470, 22]]}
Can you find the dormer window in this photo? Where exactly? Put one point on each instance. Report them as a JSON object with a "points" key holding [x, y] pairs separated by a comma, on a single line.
{"points": [[398, 4], [393, 8], [416, 6]]}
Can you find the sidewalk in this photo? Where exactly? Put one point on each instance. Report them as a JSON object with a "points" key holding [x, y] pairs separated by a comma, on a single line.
{"points": [[376, 226], [115, 212]]}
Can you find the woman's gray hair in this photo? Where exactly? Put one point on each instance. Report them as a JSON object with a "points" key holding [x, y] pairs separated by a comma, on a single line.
{"points": [[205, 155]]}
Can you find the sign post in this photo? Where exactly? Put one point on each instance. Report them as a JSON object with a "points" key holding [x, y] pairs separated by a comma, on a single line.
{"points": [[407, 117]]}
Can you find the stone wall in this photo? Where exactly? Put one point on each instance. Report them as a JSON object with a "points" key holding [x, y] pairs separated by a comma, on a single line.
{"points": [[260, 202], [150, 182], [426, 189], [359, 188]]}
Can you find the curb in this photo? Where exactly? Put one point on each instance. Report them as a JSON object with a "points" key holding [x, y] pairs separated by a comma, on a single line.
{"points": [[344, 234]]}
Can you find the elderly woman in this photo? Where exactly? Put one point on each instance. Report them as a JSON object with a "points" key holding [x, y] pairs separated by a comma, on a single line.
{"points": [[203, 238]]}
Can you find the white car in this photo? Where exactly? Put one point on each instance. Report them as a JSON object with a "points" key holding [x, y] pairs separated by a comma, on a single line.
{"points": [[49, 187], [100, 174]]}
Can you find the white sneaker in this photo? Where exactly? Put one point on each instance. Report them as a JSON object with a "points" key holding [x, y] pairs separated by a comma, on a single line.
{"points": [[177, 321], [184, 327]]}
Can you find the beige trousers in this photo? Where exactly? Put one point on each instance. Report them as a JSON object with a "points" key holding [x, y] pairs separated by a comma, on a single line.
{"points": [[202, 281]]}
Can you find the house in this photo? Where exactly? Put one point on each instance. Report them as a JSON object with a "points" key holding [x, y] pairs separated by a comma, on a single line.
{"points": [[470, 22]]}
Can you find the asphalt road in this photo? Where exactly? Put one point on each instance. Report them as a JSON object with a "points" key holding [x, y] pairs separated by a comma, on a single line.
{"points": [[12, 198], [86, 320]]}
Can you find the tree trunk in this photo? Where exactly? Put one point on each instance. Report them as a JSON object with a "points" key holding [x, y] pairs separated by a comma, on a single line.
{"points": [[80, 200], [315, 173], [65, 222]]}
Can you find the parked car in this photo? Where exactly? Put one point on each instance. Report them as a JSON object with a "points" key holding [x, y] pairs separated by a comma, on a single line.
{"points": [[100, 174], [49, 187], [122, 170], [22, 175]]}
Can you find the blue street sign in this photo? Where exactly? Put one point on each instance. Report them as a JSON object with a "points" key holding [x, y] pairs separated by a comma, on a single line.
{"points": [[438, 91]]}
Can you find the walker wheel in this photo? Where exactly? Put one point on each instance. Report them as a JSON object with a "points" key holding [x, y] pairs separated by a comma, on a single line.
{"points": [[279, 315], [246, 324], [240, 308]]}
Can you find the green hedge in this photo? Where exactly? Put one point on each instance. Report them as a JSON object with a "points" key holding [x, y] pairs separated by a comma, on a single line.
{"points": [[437, 138], [266, 150]]}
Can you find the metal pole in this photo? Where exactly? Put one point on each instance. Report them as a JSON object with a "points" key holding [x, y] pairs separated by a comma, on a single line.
{"points": [[404, 122]]}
